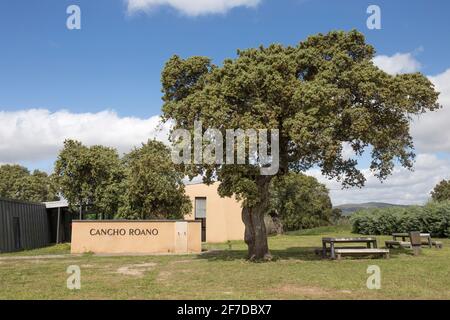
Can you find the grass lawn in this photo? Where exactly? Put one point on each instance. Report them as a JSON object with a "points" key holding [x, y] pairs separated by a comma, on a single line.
{"points": [[223, 273]]}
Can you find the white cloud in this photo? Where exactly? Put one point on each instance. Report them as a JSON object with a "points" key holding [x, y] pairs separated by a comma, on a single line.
{"points": [[398, 63], [190, 7], [431, 131], [38, 134], [402, 187]]}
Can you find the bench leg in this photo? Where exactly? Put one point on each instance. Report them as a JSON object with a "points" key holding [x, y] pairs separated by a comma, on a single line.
{"points": [[324, 250], [333, 255], [338, 257]]}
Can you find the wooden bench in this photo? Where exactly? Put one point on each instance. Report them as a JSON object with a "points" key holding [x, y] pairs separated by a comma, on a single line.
{"points": [[394, 243], [425, 237], [437, 244], [367, 252], [329, 244], [406, 244], [319, 251]]}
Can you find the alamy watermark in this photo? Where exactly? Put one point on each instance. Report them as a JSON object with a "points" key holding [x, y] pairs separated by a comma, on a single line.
{"points": [[208, 147], [74, 280], [374, 280], [374, 20], [73, 22]]}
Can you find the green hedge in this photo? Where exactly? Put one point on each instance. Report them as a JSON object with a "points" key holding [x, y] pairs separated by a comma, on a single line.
{"points": [[433, 218]]}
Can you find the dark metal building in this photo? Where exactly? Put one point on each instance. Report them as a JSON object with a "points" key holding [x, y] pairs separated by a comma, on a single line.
{"points": [[23, 225]]}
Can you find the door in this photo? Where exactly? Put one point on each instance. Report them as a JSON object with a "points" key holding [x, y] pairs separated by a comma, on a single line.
{"points": [[181, 244], [200, 214], [16, 232]]}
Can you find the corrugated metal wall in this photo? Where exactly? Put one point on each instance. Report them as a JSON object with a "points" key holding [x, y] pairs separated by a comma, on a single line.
{"points": [[32, 222]]}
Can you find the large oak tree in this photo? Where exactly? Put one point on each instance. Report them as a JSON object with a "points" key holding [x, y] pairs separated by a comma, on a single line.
{"points": [[322, 93]]}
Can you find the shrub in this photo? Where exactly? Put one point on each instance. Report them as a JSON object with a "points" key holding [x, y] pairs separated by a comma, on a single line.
{"points": [[433, 218]]}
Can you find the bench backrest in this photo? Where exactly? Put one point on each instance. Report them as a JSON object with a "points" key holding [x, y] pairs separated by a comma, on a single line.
{"points": [[415, 238]]}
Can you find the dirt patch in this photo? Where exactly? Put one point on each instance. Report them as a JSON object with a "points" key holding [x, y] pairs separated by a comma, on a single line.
{"points": [[163, 276], [41, 257], [136, 270], [308, 291], [36, 261], [182, 261]]}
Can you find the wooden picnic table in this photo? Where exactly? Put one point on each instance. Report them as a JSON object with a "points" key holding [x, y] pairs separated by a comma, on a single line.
{"points": [[405, 235], [369, 241]]}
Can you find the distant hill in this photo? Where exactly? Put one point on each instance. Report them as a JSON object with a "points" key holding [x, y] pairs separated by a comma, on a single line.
{"points": [[348, 209]]}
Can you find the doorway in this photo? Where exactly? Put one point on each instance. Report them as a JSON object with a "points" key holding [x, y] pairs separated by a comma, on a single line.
{"points": [[16, 232], [200, 214]]}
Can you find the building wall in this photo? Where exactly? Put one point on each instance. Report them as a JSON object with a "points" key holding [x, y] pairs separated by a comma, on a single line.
{"points": [[33, 221], [223, 215], [129, 237]]}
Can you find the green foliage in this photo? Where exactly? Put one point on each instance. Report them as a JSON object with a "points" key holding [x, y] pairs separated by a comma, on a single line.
{"points": [[300, 201], [336, 215], [16, 182], [154, 189], [441, 191], [142, 185], [319, 94], [433, 217], [90, 176]]}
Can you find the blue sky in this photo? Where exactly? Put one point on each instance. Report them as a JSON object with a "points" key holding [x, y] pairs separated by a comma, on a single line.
{"points": [[115, 60], [113, 64]]}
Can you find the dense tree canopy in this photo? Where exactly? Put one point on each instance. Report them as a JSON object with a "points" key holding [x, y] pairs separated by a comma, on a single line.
{"points": [[90, 176], [142, 185], [16, 182], [154, 189], [300, 202], [441, 191], [322, 93]]}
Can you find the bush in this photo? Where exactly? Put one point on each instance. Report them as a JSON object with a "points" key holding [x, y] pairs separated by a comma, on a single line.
{"points": [[433, 218]]}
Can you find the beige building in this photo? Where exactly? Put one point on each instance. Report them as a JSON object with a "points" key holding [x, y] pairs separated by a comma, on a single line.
{"points": [[221, 217], [213, 219]]}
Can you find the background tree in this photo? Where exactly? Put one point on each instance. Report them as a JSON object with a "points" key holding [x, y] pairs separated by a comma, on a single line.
{"points": [[9, 175], [441, 191], [320, 94], [300, 202], [90, 176], [37, 187], [154, 189], [336, 215], [16, 182]]}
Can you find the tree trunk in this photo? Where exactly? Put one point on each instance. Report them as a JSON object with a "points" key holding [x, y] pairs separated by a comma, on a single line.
{"points": [[255, 229]]}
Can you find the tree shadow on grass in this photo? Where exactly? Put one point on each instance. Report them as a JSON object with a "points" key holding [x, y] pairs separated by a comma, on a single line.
{"points": [[293, 253]]}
